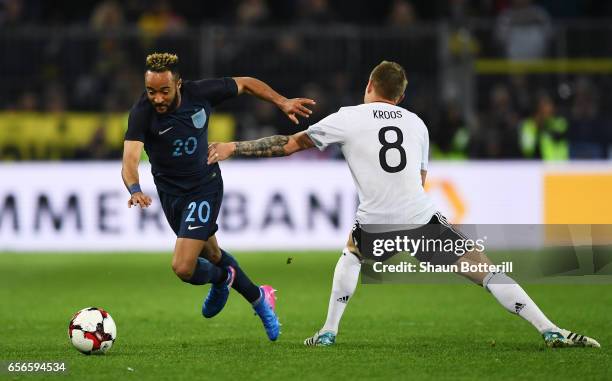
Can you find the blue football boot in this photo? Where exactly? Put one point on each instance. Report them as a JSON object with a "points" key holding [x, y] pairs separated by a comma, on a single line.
{"points": [[218, 294], [264, 308]]}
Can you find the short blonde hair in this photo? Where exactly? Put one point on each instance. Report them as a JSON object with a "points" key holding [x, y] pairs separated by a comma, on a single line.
{"points": [[389, 80], [160, 62]]}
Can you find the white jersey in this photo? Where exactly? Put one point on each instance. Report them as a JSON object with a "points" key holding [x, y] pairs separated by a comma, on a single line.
{"points": [[386, 147]]}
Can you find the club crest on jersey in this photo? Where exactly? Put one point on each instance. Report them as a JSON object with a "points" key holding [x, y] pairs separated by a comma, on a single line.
{"points": [[199, 119]]}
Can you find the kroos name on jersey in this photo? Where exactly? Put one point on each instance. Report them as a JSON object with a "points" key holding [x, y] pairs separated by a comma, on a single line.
{"points": [[384, 114]]}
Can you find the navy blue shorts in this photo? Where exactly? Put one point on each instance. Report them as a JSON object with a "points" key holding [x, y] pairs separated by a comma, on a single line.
{"points": [[194, 215]]}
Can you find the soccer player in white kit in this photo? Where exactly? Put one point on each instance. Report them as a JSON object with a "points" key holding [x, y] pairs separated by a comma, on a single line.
{"points": [[386, 148]]}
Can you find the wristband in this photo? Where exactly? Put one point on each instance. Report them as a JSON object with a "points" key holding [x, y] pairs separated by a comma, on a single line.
{"points": [[134, 188]]}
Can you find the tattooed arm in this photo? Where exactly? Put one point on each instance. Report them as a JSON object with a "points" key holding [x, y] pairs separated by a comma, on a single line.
{"points": [[271, 146]]}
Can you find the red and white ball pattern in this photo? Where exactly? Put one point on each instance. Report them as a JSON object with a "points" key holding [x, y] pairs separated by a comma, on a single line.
{"points": [[92, 331]]}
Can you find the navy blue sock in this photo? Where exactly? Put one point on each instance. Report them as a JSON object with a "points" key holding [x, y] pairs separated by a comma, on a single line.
{"points": [[206, 272], [242, 283]]}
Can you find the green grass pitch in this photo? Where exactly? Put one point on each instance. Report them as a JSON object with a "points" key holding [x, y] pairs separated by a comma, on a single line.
{"points": [[418, 331]]}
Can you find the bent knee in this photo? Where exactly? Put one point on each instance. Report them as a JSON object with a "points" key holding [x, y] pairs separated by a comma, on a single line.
{"points": [[183, 270]]}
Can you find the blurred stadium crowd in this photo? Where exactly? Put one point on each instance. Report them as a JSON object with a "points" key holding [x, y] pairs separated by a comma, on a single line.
{"points": [[69, 58]]}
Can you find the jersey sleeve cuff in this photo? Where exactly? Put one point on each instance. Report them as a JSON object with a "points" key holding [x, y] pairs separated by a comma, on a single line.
{"points": [[313, 135]]}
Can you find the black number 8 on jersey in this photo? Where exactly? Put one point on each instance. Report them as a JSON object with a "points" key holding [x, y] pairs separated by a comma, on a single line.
{"points": [[386, 146]]}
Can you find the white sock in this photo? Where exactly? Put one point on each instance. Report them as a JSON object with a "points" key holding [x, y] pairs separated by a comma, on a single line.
{"points": [[345, 281], [512, 296]]}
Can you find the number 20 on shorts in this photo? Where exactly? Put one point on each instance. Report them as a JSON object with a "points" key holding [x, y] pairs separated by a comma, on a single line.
{"points": [[203, 211]]}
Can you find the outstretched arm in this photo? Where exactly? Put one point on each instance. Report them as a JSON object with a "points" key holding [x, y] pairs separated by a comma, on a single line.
{"points": [[291, 107], [271, 146]]}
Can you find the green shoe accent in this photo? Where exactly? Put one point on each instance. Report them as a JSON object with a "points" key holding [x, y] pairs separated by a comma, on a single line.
{"points": [[555, 340], [326, 339]]}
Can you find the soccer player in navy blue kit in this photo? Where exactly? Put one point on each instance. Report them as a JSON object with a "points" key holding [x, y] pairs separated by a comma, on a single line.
{"points": [[170, 120]]}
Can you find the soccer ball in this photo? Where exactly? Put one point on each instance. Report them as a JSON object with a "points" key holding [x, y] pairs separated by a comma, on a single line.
{"points": [[92, 331]]}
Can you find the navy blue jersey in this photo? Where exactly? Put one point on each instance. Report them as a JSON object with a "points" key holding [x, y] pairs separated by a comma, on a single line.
{"points": [[177, 142]]}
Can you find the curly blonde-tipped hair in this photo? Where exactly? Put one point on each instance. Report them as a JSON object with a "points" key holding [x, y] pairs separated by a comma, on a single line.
{"points": [[160, 62]]}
